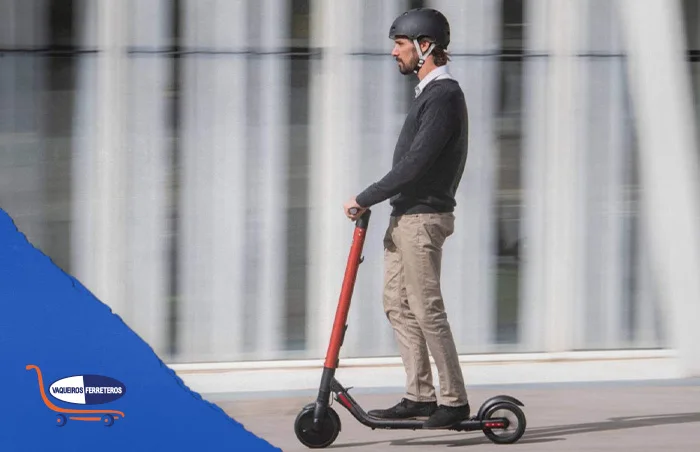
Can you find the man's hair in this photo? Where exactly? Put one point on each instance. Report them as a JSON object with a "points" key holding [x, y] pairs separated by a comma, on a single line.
{"points": [[439, 54]]}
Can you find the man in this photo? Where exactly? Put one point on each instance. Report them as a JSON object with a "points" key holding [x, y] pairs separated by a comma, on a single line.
{"points": [[428, 163]]}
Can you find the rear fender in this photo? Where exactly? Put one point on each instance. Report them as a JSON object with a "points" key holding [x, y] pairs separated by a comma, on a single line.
{"points": [[493, 401]]}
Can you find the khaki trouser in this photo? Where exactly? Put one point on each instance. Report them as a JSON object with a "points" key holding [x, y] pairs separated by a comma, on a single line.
{"points": [[414, 306]]}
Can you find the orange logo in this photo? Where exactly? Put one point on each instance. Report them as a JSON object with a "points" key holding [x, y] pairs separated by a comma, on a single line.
{"points": [[108, 416]]}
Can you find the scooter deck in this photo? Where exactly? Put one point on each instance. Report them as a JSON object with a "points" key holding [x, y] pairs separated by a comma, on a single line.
{"points": [[470, 424], [345, 399]]}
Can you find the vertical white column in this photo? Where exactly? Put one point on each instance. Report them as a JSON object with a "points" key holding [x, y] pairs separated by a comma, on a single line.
{"points": [[108, 198], [334, 148], [648, 313], [532, 308], [101, 157], [377, 82], [147, 125], [194, 256], [468, 262], [84, 137], [272, 136], [213, 185], [604, 146], [661, 90], [551, 223]]}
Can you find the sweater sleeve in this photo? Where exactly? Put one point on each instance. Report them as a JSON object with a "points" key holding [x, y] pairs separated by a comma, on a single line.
{"points": [[435, 128]]}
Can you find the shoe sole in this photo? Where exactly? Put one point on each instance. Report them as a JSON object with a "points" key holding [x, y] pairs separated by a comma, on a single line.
{"points": [[440, 427]]}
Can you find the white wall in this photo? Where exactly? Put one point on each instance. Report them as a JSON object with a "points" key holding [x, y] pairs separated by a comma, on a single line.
{"points": [[608, 194]]}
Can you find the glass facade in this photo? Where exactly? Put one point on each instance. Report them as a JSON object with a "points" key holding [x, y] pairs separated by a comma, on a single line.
{"points": [[187, 160]]}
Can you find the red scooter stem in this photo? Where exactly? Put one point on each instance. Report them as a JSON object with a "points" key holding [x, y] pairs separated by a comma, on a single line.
{"points": [[341, 313]]}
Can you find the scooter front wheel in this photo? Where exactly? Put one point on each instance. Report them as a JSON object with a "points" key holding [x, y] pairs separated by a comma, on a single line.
{"points": [[326, 433]]}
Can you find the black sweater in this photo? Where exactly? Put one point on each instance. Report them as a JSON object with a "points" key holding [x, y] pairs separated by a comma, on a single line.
{"points": [[430, 154]]}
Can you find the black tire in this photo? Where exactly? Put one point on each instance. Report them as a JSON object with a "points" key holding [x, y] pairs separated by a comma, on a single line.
{"points": [[510, 434], [325, 436]]}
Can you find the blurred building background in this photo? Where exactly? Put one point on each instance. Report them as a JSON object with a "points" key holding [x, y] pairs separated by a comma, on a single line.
{"points": [[187, 160]]}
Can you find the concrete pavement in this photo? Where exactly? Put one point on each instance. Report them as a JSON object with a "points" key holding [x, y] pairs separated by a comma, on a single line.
{"points": [[639, 416]]}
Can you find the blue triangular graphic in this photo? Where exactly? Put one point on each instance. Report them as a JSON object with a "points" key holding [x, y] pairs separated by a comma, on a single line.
{"points": [[51, 328]]}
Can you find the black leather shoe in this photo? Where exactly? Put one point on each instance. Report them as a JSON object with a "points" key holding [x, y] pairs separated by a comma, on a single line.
{"points": [[447, 416], [406, 409]]}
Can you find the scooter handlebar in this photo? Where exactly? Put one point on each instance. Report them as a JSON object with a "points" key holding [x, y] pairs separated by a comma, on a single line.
{"points": [[363, 221]]}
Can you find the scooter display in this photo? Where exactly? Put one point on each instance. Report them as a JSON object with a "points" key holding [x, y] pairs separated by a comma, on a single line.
{"points": [[317, 425]]}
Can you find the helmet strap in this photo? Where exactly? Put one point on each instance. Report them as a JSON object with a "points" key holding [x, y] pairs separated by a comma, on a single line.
{"points": [[422, 56]]}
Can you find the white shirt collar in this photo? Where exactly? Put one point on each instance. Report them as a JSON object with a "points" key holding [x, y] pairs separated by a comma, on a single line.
{"points": [[439, 72]]}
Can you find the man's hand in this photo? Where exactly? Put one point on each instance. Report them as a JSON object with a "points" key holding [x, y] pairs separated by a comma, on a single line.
{"points": [[351, 203]]}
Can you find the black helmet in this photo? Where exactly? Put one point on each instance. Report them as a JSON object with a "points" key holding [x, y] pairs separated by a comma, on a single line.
{"points": [[422, 23]]}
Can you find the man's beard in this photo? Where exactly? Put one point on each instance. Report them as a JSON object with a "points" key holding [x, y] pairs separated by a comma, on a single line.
{"points": [[408, 68]]}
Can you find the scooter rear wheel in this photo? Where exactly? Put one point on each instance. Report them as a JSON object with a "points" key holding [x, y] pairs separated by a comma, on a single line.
{"points": [[516, 427], [324, 436]]}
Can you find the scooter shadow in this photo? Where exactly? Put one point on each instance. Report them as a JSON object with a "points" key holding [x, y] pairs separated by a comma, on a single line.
{"points": [[541, 434]]}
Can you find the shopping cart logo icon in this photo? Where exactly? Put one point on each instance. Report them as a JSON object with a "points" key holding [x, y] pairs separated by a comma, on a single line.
{"points": [[82, 390]]}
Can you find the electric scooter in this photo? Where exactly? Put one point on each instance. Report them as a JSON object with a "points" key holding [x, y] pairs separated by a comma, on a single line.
{"points": [[317, 425]]}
